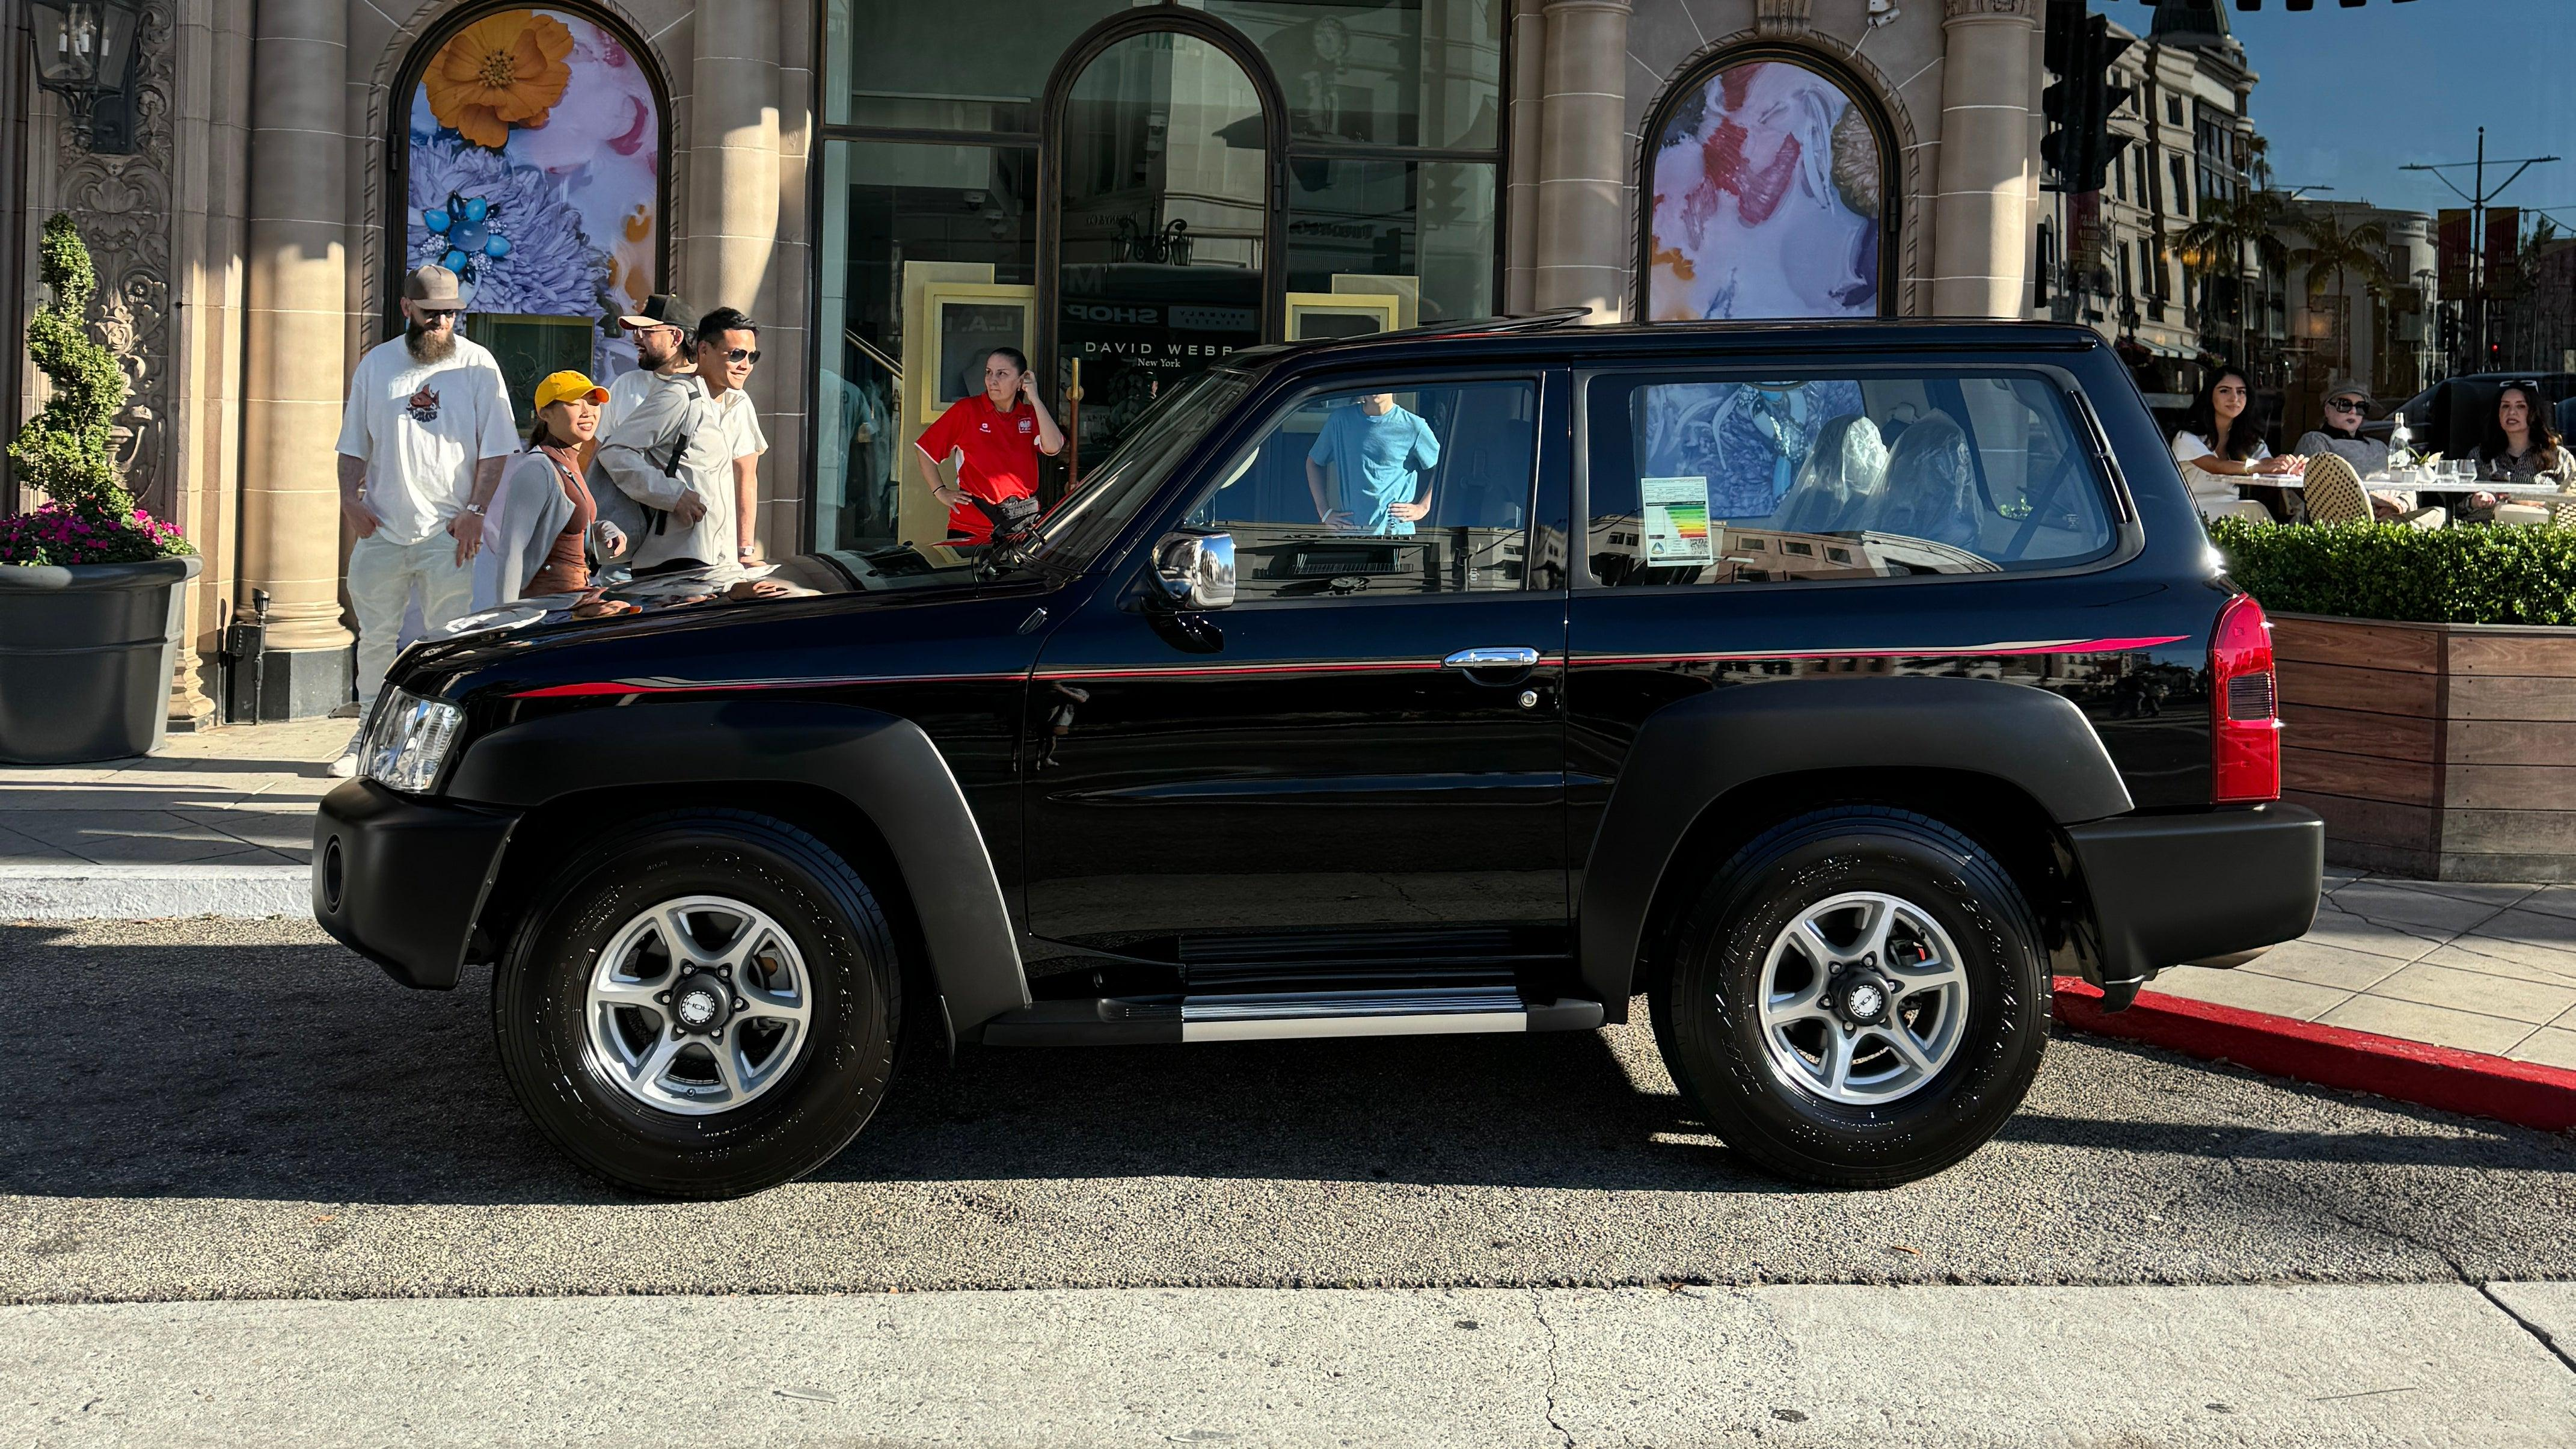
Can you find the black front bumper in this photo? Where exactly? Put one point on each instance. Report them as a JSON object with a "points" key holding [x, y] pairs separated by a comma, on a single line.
{"points": [[2199, 886], [401, 880]]}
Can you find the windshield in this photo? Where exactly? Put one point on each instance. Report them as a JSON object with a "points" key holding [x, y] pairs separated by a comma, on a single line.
{"points": [[1090, 520]]}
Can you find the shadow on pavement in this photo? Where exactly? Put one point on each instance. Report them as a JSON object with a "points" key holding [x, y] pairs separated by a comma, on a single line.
{"points": [[300, 1072]]}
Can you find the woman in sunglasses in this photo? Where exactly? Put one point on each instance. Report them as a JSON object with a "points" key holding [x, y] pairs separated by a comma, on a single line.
{"points": [[2347, 406]]}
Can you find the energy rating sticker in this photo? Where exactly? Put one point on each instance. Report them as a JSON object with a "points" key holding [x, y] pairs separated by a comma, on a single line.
{"points": [[1676, 522]]}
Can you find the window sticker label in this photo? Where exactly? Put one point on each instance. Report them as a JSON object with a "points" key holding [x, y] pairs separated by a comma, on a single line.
{"points": [[1676, 522]]}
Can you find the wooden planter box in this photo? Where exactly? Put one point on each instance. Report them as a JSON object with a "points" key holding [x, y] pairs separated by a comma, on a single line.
{"points": [[2437, 751]]}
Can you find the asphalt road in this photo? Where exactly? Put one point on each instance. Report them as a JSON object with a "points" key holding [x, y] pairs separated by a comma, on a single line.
{"points": [[211, 1109]]}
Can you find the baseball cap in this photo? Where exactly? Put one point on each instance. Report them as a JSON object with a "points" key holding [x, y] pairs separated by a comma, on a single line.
{"points": [[663, 309], [561, 385], [432, 283]]}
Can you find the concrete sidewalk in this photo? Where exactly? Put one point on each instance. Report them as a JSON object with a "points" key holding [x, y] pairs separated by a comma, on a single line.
{"points": [[220, 823], [2431, 1364]]}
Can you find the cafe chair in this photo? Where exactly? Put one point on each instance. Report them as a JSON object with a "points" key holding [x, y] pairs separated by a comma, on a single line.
{"points": [[2335, 494]]}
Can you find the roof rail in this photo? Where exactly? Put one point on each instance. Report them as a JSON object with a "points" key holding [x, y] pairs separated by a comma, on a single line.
{"points": [[1487, 326]]}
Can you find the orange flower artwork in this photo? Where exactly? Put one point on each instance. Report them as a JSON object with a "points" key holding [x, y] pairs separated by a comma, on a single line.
{"points": [[505, 69]]}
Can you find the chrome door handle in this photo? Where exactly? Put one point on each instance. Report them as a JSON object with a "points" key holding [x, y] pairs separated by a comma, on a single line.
{"points": [[1516, 658]]}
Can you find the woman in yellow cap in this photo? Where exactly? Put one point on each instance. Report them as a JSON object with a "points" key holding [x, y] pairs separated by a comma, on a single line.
{"points": [[546, 529]]}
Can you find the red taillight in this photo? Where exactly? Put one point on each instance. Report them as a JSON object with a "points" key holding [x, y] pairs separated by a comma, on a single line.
{"points": [[2244, 706]]}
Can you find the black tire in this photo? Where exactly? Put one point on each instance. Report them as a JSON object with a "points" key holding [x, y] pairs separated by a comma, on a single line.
{"points": [[1712, 1038], [813, 1108]]}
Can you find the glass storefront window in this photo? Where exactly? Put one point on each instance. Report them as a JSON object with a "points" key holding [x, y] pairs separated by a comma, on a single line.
{"points": [[1428, 221], [1165, 206], [1409, 73], [939, 67], [887, 207]]}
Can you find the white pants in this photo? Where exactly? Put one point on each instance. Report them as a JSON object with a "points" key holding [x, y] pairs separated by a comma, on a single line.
{"points": [[381, 577]]}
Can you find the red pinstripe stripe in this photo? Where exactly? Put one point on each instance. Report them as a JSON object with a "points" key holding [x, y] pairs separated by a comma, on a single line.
{"points": [[2064, 646], [731, 686]]}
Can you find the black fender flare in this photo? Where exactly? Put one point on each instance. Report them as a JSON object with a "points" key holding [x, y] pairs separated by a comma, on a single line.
{"points": [[882, 765], [1691, 753]]}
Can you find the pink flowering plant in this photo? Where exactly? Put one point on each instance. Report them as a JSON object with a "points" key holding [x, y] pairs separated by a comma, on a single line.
{"points": [[63, 451]]}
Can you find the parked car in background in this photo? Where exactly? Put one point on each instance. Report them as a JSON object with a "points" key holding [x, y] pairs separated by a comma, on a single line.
{"points": [[2452, 415], [1832, 687]]}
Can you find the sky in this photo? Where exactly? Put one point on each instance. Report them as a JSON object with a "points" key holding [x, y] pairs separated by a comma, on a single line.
{"points": [[2346, 96]]}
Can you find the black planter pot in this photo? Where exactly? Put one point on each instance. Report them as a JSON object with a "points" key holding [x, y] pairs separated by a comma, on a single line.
{"points": [[85, 659]]}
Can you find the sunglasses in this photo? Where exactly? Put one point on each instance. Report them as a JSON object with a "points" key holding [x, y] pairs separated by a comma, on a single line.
{"points": [[432, 316], [2344, 405], [742, 354]]}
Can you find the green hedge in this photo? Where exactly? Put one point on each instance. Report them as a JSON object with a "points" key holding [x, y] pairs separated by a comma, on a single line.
{"points": [[2466, 575]]}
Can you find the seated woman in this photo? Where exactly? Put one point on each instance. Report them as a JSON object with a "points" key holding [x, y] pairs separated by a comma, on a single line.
{"points": [[546, 530], [2347, 406], [2219, 445], [2522, 446]]}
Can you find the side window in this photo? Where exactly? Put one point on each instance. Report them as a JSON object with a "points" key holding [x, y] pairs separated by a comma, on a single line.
{"points": [[1710, 481], [1423, 488]]}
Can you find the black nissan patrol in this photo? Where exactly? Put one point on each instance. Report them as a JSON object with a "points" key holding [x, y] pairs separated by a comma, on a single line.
{"points": [[1832, 686]]}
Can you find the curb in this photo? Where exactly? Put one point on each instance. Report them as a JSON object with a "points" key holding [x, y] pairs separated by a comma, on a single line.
{"points": [[146, 892], [2474, 1083]]}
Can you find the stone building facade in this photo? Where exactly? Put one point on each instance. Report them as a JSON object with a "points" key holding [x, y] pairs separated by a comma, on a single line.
{"points": [[1129, 191]]}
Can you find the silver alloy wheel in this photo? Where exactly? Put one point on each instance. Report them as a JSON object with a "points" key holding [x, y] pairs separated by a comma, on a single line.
{"points": [[698, 1005], [1863, 999]]}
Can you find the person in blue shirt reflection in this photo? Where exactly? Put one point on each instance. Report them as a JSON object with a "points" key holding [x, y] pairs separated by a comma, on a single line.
{"points": [[1373, 450]]}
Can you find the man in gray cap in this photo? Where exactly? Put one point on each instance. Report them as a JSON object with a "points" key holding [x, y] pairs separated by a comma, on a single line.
{"points": [[423, 439]]}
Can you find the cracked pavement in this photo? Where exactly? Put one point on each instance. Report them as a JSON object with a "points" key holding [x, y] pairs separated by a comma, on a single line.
{"points": [[245, 1110]]}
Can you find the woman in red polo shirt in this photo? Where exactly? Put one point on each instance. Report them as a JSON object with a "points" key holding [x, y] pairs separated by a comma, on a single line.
{"points": [[993, 444]]}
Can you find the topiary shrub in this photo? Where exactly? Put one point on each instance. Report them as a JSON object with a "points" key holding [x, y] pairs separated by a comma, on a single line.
{"points": [[2468, 575], [63, 452]]}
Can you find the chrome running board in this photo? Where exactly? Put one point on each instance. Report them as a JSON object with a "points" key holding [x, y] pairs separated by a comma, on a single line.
{"points": [[1277, 1015]]}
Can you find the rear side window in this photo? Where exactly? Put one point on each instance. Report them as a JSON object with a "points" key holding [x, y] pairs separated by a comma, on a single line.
{"points": [[1701, 480]]}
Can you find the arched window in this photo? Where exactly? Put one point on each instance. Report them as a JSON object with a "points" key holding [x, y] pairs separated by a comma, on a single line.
{"points": [[1771, 194], [531, 156]]}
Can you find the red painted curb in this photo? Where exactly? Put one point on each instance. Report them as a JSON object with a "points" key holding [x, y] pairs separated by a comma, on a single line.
{"points": [[2523, 1093]]}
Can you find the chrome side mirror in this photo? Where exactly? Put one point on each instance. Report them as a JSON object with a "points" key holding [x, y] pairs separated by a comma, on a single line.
{"points": [[1196, 569]]}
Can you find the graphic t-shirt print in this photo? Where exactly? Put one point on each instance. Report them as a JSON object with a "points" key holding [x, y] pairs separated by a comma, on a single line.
{"points": [[424, 406]]}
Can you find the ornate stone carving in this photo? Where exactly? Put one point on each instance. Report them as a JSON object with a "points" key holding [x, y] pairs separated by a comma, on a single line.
{"points": [[122, 204], [1991, 9], [1783, 17]]}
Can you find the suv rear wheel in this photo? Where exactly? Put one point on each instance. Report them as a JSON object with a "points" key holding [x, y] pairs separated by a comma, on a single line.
{"points": [[1857, 998], [702, 1006]]}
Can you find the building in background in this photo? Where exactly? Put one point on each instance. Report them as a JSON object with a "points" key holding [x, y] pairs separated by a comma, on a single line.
{"points": [[2130, 269], [1132, 189], [2359, 288]]}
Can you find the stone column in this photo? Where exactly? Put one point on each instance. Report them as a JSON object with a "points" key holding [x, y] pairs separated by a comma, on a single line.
{"points": [[295, 372], [1528, 109], [1584, 232], [733, 154], [1981, 217]]}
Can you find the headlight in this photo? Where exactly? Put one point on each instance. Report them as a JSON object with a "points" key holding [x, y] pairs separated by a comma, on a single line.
{"points": [[408, 741]]}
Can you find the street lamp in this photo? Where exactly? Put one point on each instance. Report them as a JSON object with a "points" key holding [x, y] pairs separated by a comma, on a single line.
{"points": [[85, 54]]}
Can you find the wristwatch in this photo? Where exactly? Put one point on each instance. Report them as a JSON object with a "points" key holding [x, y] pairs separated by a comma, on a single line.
{"points": [[475, 508]]}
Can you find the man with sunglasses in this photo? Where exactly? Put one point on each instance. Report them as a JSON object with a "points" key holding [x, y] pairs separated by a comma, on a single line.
{"points": [[423, 440], [688, 454], [664, 334]]}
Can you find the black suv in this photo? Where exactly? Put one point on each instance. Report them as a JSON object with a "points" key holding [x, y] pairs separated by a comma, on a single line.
{"points": [[1832, 686]]}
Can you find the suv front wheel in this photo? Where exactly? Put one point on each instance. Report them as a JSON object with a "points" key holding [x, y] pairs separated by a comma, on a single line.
{"points": [[1857, 998], [703, 1005]]}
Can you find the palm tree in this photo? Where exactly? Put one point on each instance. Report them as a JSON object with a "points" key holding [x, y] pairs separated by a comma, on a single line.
{"points": [[2334, 251], [2215, 247]]}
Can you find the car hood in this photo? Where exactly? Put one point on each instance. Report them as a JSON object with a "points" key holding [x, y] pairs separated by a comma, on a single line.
{"points": [[704, 626]]}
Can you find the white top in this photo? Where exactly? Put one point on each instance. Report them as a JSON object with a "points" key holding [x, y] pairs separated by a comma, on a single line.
{"points": [[2212, 493], [636, 453], [742, 425], [625, 390], [420, 427]]}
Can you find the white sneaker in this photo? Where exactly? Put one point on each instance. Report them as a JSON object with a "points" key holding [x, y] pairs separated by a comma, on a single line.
{"points": [[346, 767]]}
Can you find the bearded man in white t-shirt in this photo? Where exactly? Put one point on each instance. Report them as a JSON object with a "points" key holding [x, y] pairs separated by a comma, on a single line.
{"points": [[423, 439]]}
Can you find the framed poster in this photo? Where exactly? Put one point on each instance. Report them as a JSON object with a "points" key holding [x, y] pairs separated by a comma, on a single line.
{"points": [[964, 322], [1318, 316]]}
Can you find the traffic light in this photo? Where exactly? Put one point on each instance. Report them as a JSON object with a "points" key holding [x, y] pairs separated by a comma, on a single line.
{"points": [[2078, 145], [2450, 334]]}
